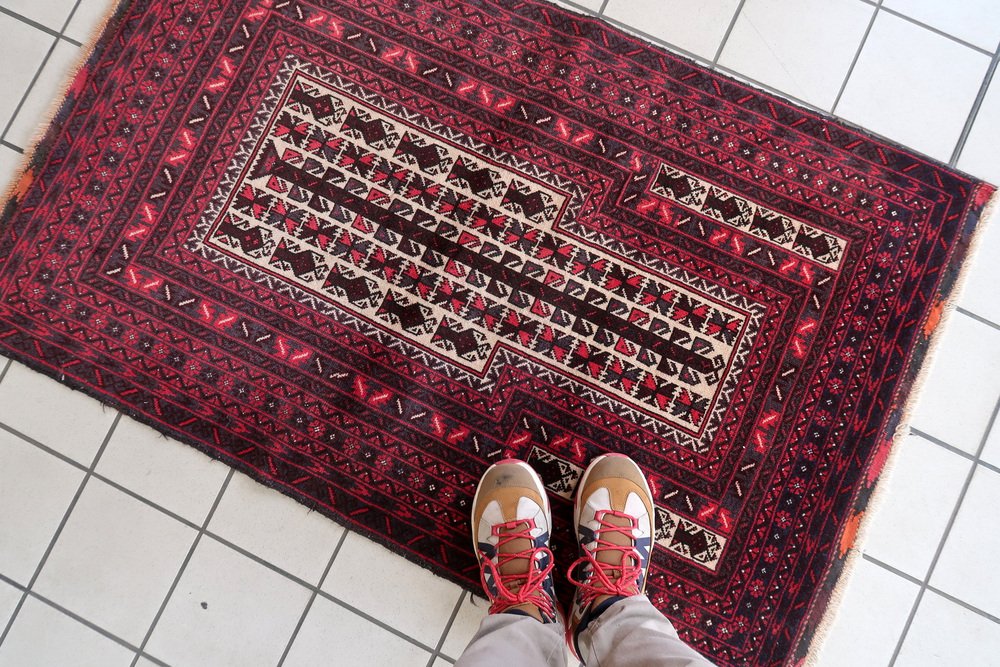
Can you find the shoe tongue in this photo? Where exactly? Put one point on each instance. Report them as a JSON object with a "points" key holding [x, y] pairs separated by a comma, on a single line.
{"points": [[618, 538], [515, 565]]}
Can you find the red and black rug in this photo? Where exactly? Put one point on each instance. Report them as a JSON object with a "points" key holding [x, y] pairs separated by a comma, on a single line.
{"points": [[360, 249]]}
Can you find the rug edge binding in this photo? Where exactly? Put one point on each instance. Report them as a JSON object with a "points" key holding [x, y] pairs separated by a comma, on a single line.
{"points": [[828, 615]]}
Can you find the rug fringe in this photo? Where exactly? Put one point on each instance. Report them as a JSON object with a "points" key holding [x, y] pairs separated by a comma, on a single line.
{"points": [[880, 491], [18, 183]]}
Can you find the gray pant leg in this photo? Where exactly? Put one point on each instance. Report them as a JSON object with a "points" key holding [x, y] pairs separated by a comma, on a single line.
{"points": [[633, 633], [510, 640]]}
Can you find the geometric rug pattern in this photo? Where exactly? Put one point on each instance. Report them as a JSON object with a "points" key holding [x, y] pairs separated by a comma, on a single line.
{"points": [[360, 249]]}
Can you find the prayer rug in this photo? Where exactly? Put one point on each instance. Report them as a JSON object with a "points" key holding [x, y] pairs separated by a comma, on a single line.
{"points": [[361, 249]]}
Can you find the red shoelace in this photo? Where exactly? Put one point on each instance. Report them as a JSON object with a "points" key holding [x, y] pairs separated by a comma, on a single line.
{"points": [[519, 588], [603, 579]]}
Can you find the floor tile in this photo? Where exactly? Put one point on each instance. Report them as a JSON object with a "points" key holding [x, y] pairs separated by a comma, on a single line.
{"points": [[171, 474], [871, 615], [801, 47], [88, 17], [50, 13], [473, 610], [29, 518], [37, 109], [397, 592], [967, 568], [962, 387], [330, 625], [975, 21], [923, 488], [944, 634], [225, 594], [21, 51], [114, 561], [9, 597], [697, 26], [45, 637], [68, 421], [979, 156], [276, 528], [913, 86]]}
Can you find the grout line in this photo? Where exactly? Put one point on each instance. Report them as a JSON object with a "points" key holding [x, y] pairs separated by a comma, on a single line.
{"points": [[965, 605], [989, 466], [896, 571], [312, 598], [927, 26], [932, 589], [941, 443], [944, 537], [729, 31], [936, 31], [38, 72], [978, 318], [257, 559], [76, 617], [59, 528], [652, 39], [180, 572], [316, 589], [59, 455], [6, 367], [974, 112], [13, 147], [955, 450], [604, 5], [447, 628], [857, 56], [374, 621], [24, 19], [27, 91], [235, 547]]}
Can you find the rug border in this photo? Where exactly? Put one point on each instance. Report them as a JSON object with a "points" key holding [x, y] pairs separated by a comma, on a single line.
{"points": [[812, 635], [962, 260]]}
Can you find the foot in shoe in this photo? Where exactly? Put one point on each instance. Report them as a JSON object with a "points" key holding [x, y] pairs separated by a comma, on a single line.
{"points": [[511, 523], [614, 522]]}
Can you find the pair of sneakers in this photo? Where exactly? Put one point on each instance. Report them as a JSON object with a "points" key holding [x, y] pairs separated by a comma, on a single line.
{"points": [[511, 523]]}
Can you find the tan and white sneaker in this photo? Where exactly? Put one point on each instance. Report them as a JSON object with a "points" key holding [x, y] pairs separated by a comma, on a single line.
{"points": [[511, 523], [615, 523]]}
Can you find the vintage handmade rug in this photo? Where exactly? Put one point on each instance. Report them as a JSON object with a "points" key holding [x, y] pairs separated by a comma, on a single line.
{"points": [[360, 249]]}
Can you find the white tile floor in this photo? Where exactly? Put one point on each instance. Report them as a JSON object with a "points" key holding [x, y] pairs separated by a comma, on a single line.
{"points": [[145, 552]]}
